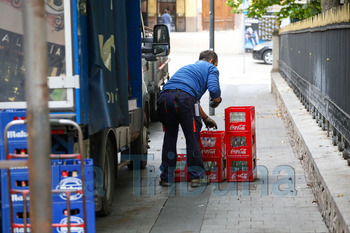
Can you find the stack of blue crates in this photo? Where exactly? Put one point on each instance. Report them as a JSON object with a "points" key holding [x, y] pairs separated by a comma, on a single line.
{"points": [[17, 141], [66, 174]]}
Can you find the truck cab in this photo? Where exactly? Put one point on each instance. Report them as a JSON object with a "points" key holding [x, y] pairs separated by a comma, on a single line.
{"points": [[155, 70]]}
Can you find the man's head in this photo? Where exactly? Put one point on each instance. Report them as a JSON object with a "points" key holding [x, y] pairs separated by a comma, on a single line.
{"points": [[209, 56], [165, 11]]}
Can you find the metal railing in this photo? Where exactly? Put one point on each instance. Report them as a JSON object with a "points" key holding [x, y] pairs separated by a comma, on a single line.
{"points": [[314, 62]]}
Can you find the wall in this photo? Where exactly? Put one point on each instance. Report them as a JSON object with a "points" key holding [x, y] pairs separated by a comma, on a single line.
{"points": [[180, 16], [152, 13], [191, 15], [224, 19]]}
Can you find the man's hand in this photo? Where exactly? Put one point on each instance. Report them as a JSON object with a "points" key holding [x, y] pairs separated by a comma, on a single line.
{"points": [[215, 102], [210, 123]]}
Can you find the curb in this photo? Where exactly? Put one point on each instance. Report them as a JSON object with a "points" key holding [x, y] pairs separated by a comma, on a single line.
{"points": [[325, 169]]}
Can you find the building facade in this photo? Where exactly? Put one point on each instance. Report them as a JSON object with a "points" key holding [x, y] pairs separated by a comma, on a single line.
{"points": [[189, 15]]}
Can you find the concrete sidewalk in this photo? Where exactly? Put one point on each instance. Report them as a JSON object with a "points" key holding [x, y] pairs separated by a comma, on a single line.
{"points": [[327, 172], [279, 200]]}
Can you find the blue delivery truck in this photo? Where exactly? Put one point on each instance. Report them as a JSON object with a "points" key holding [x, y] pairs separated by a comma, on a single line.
{"points": [[105, 73]]}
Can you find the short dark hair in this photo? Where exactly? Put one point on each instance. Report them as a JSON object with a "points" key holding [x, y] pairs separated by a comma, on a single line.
{"points": [[207, 55]]}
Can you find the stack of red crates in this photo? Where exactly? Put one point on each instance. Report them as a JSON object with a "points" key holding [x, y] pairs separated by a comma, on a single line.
{"points": [[213, 151], [240, 140]]}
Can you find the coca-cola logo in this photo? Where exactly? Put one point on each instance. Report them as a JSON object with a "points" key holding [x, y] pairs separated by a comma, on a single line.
{"points": [[238, 152], [243, 176], [212, 176], [208, 151], [237, 127]]}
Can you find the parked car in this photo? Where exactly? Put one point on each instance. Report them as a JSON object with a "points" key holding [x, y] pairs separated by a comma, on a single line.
{"points": [[263, 52]]}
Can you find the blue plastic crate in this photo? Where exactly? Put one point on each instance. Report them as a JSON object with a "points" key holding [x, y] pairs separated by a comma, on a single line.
{"points": [[17, 217], [71, 167], [60, 216], [19, 180], [16, 134], [66, 174], [17, 199]]}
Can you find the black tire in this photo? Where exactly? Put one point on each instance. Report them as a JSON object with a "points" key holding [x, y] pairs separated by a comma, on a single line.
{"points": [[107, 162], [154, 113], [267, 57], [139, 148]]}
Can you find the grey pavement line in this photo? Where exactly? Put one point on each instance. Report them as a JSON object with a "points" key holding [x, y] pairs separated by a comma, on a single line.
{"points": [[159, 213], [325, 169], [182, 213]]}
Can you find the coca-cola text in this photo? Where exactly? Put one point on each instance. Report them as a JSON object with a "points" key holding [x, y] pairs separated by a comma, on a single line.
{"points": [[208, 151], [240, 127], [242, 151]]}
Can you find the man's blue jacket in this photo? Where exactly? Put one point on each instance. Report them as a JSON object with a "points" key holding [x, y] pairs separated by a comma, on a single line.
{"points": [[195, 79]]}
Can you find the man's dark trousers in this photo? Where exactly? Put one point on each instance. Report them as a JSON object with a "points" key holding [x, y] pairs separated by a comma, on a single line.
{"points": [[176, 108]]}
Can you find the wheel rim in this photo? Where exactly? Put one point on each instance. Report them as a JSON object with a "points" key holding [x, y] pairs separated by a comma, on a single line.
{"points": [[268, 57]]}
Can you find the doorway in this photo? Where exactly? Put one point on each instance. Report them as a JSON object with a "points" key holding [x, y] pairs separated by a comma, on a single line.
{"points": [[169, 5]]}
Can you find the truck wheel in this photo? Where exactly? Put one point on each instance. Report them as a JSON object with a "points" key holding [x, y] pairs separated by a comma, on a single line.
{"points": [[154, 113], [107, 162], [140, 147], [155, 116]]}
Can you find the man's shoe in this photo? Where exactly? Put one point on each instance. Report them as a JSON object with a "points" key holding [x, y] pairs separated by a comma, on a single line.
{"points": [[203, 181], [165, 183]]}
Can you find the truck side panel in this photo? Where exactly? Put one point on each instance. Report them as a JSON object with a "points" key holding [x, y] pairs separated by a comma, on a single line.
{"points": [[107, 61], [81, 61], [133, 19]]}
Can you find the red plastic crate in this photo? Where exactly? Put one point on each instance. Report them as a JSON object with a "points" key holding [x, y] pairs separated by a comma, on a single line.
{"points": [[215, 169], [181, 173], [241, 170], [212, 144], [240, 119], [240, 145]]}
